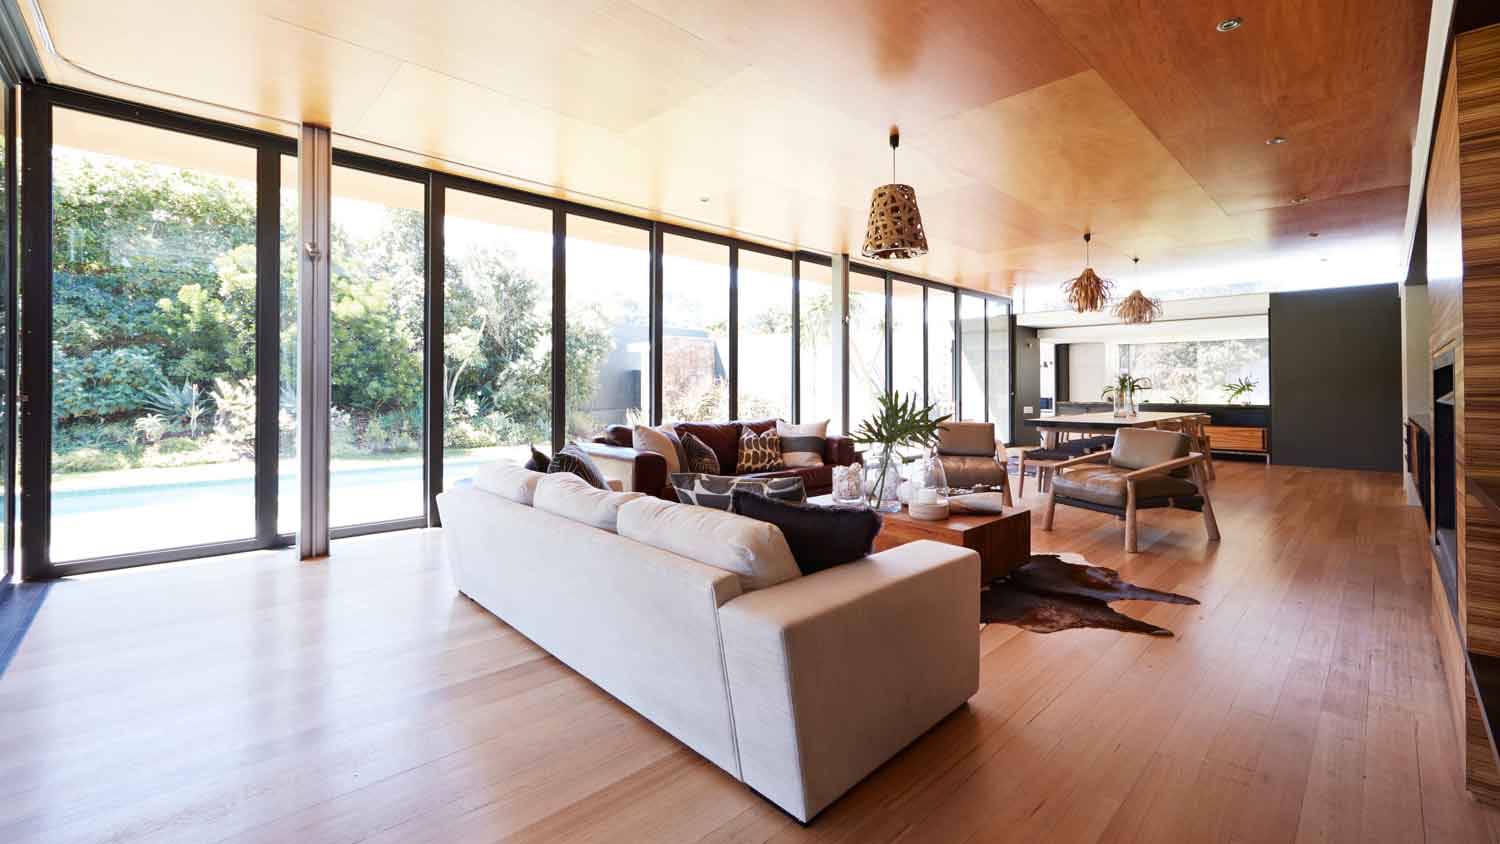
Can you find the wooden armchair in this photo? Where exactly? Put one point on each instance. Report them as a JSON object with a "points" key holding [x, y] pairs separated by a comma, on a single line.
{"points": [[1145, 470]]}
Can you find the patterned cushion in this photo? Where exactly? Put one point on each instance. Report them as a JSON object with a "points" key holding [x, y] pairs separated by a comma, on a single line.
{"points": [[803, 445], [759, 452], [700, 458], [572, 460], [715, 490]]}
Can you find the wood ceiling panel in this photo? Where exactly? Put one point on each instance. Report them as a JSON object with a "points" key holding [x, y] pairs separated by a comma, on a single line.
{"points": [[607, 62], [222, 53], [1340, 80], [886, 61], [981, 218]]}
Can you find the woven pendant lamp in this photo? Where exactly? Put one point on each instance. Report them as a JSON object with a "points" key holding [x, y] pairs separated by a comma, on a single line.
{"points": [[895, 226], [1137, 308], [1089, 291]]}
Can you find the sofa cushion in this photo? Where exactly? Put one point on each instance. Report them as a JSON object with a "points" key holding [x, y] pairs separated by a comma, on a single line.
{"points": [[759, 452], [714, 490], [509, 481], [802, 445], [657, 442], [1106, 485], [571, 460], [722, 437], [820, 537], [754, 551], [566, 494], [700, 458]]}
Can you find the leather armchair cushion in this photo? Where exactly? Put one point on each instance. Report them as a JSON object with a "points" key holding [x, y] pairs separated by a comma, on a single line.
{"points": [[1137, 448], [1106, 485], [968, 471], [969, 439]]}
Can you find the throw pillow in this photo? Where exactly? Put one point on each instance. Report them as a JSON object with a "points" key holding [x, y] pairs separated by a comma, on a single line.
{"points": [[820, 537], [759, 452], [538, 462], [714, 490], [652, 440], [700, 458], [573, 461], [802, 445]]}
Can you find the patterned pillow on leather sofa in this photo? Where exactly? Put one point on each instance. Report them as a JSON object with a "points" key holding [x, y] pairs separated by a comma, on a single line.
{"points": [[759, 452], [716, 490]]}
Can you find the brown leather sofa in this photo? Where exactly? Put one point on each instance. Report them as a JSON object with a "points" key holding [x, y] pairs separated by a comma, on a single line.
{"points": [[645, 471]]}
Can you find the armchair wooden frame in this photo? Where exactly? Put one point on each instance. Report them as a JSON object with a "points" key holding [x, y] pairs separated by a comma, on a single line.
{"points": [[1194, 462]]}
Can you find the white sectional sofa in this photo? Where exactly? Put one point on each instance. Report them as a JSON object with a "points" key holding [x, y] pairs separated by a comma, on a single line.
{"points": [[798, 689]]}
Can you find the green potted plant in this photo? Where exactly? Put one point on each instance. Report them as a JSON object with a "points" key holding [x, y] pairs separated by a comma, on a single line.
{"points": [[898, 421], [1123, 392], [1237, 389]]}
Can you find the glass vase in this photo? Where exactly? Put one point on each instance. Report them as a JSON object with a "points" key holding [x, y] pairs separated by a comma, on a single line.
{"points": [[849, 484], [883, 480], [1119, 403]]}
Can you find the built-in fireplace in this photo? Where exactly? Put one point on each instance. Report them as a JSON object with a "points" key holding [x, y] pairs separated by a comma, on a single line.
{"points": [[1444, 493]]}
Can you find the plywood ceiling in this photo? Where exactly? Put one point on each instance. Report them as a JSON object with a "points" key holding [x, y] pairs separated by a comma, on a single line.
{"points": [[1024, 122]]}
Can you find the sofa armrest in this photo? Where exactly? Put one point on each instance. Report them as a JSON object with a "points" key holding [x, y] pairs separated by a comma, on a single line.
{"points": [[832, 674], [840, 451], [637, 471]]}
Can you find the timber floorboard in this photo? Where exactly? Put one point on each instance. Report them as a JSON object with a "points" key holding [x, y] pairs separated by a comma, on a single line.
{"points": [[362, 699]]}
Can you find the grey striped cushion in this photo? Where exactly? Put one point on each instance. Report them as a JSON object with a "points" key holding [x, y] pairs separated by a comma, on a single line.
{"points": [[715, 490], [802, 445]]}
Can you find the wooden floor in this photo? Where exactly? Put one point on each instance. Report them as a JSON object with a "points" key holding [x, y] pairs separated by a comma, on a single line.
{"points": [[361, 699]]}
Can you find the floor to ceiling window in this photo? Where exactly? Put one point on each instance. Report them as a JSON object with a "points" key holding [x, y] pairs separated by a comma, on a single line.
{"points": [[765, 336], [8, 339], [153, 339], [288, 490], [940, 350], [608, 325], [998, 366], [377, 297], [815, 313], [497, 331], [695, 330], [906, 339], [867, 376], [971, 331]]}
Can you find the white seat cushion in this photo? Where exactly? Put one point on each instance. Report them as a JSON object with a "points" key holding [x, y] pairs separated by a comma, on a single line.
{"points": [[508, 480], [754, 551], [567, 495]]}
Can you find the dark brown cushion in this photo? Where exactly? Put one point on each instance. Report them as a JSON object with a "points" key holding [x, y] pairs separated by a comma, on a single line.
{"points": [[1106, 485], [820, 537], [700, 458], [722, 437], [620, 435]]}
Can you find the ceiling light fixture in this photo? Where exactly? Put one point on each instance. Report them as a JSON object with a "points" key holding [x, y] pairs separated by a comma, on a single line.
{"points": [[1276, 141], [1137, 308], [895, 226], [1298, 200], [1230, 24], [1312, 234], [1089, 291]]}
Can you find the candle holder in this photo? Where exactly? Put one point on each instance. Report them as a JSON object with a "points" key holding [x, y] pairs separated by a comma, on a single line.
{"points": [[929, 485]]}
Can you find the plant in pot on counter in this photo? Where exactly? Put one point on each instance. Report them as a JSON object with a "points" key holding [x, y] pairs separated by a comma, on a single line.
{"points": [[1235, 390], [898, 421], [1123, 391]]}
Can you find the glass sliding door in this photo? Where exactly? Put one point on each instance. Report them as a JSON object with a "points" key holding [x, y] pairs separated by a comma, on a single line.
{"points": [[971, 331], [288, 490], [153, 339], [906, 340], [941, 347], [497, 331], [608, 325], [998, 365], [815, 314], [7, 342], [867, 375], [695, 330], [377, 295], [765, 338]]}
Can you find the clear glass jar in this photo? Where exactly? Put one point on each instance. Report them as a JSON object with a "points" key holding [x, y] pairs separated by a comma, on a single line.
{"points": [[929, 487]]}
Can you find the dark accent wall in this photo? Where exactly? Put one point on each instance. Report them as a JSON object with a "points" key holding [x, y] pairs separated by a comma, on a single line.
{"points": [[1028, 385], [1060, 372], [1336, 378]]}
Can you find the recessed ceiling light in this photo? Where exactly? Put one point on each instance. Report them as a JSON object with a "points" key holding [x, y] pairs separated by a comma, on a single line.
{"points": [[1324, 260], [1230, 24], [1298, 200], [1276, 141], [703, 198], [1312, 234]]}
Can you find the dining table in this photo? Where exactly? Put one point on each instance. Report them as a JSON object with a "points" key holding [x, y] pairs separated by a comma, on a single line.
{"points": [[1103, 422]]}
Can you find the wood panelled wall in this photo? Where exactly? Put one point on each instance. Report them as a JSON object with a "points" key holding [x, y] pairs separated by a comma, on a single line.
{"points": [[1463, 261]]}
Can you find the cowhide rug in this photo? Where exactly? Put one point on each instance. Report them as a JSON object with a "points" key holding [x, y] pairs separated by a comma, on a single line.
{"points": [[1048, 594]]}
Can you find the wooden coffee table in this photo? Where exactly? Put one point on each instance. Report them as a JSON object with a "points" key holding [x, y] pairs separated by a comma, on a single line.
{"points": [[1003, 540]]}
